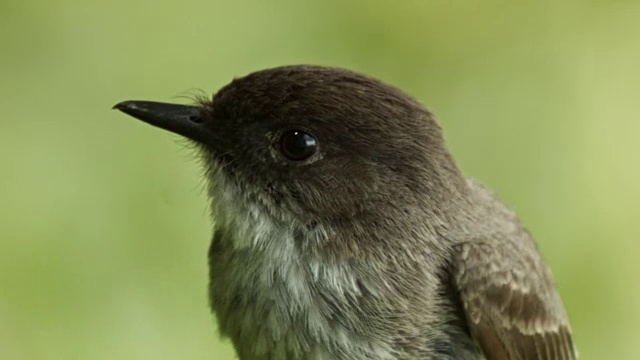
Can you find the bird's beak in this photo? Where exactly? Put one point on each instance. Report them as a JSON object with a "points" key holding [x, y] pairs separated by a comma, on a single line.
{"points": [[184, 120]]}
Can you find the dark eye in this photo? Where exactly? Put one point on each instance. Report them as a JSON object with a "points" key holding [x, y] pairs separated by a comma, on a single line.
{"points": [[298, 144]]}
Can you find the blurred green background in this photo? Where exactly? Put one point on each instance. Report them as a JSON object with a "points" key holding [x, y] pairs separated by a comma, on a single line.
{"points": [[103, 222]]}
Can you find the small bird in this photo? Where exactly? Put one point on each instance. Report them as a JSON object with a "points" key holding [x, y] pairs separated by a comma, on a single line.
{"points": [[343, 228]]}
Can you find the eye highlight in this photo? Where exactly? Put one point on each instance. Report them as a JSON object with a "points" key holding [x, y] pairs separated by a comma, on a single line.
{"points": [[298, 145]]}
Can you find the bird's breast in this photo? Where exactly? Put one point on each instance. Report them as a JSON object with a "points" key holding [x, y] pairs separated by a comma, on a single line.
{"points": [[276, 303]]}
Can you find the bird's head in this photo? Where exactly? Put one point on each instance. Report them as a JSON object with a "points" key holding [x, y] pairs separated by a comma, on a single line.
{"points": [[309, 143]]}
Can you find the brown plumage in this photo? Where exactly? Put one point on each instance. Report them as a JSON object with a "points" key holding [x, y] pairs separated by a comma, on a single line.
{"points": [[510, 302], [345, 230]]}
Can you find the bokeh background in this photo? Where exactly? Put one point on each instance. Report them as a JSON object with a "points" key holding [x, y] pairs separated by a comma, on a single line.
{"points": [[103, 219]]}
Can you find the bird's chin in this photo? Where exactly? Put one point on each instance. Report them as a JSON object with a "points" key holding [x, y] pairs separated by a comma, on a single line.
{"points": [[233, 197], [237, 203]]}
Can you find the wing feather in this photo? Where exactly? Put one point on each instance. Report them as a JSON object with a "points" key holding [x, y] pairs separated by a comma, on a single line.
{"points": [[509, 298]]}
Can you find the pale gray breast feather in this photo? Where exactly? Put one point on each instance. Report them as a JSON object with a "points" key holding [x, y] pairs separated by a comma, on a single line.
{"points": [[284, 286]]}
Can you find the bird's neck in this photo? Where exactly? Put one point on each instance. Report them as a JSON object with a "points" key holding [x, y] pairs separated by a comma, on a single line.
{"points": [[281, 289], [276, 303], [275, 300]]}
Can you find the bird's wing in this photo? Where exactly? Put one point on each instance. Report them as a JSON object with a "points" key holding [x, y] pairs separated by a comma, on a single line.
{"points": [[509, 298]]}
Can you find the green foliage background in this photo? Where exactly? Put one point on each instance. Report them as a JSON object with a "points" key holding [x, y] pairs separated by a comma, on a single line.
{"points": [[103, 221]]}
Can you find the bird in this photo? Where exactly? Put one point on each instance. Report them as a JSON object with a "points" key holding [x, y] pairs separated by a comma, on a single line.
{"points": [[343, 228]]}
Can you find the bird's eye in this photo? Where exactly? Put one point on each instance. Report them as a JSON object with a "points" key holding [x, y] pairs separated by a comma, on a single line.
{"points": [[298, 145]]}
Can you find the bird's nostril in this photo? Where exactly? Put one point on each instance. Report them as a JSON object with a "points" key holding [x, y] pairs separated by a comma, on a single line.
{"points": [[195, 118]]}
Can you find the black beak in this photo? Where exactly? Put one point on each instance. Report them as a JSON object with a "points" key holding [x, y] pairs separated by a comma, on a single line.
{"points": [[181, 119]]}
